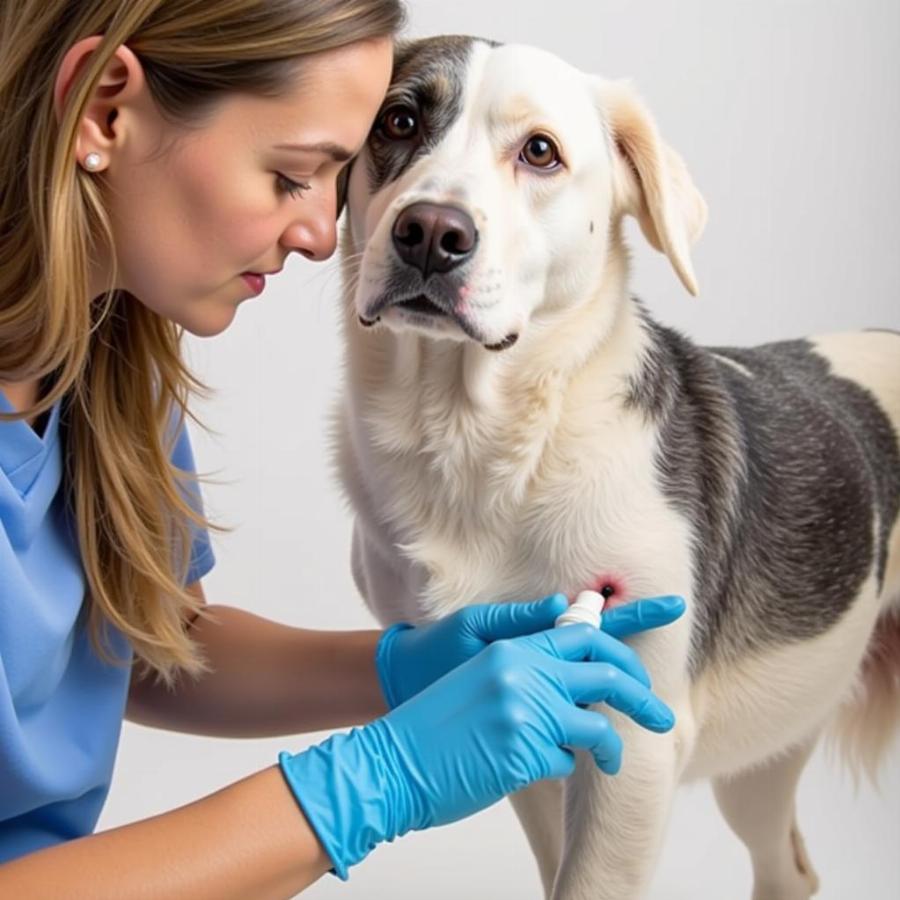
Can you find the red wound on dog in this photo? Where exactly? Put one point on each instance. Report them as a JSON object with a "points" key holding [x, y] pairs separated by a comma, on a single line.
{"points": [[611, 588]]}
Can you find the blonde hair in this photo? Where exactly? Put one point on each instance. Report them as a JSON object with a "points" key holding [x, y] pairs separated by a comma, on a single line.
{"points": [[116, 365]]}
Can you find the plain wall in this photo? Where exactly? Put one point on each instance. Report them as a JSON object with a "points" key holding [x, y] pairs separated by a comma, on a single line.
{"points": [[787, 114]]}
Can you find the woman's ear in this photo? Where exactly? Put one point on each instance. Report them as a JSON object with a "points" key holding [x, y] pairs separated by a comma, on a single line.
{"points": [[121, 82], [650, 180]]}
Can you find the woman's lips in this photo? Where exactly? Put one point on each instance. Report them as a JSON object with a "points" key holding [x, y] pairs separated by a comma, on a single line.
{"points": [[254, 281]]}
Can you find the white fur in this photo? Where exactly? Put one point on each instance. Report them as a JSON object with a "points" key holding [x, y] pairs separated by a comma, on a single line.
{"points": [[478, 476]]}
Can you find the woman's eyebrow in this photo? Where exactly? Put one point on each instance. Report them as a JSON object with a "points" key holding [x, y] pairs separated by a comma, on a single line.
{"points": [[335, 151]]}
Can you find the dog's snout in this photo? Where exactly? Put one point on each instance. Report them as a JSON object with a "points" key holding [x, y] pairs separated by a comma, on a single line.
{"points": [[433, 237]]}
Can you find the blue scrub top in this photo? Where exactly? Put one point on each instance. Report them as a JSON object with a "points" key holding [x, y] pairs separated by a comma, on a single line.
{"points": [[61, 707]]}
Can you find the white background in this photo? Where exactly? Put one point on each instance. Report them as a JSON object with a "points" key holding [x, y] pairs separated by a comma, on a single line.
{"points": [[787, 114]]}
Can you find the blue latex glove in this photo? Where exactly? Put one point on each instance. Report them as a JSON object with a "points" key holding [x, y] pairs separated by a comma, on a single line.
{"points": [[493, 725], [408, 659]]}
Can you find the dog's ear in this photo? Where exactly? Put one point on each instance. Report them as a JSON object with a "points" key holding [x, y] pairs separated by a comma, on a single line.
{"points": [[343, 181], [650, 180]]}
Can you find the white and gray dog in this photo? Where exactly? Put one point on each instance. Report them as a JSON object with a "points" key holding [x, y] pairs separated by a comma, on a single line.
{"points": [[515, 423]]}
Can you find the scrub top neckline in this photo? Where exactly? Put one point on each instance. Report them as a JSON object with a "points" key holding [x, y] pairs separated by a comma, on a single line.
{"points": [[20, 444]]}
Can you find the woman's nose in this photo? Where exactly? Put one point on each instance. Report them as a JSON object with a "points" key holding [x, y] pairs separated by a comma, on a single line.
{"points": [[315, 236]]}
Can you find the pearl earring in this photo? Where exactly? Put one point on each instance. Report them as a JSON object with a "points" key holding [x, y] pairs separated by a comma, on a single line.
{"points": [[92, 162]]}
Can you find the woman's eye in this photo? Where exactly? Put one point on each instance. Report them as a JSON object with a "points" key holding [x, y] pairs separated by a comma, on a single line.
{"points": [[286, 185], [398, 123], [540, 152]]}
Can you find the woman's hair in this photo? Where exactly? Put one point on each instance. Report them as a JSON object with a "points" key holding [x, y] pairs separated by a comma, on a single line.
{"points": [[116, 365]]}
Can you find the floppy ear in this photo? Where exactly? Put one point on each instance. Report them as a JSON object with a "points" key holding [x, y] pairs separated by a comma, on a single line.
{"points": [[343, 181], [650, 180]]}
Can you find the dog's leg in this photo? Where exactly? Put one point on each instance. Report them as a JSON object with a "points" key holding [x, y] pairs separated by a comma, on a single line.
{"points": [[540, 810], [614, 825], [758, 804]]}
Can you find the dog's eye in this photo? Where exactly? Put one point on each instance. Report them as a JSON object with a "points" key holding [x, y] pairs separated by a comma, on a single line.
{"points": [[398, 123], [540, 152]]}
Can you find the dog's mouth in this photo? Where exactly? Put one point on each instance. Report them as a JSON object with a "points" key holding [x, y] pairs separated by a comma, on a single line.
{"points": [[422, 305]]}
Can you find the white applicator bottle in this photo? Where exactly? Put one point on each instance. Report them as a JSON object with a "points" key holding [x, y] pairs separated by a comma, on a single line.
{"points": [[587, 608]]}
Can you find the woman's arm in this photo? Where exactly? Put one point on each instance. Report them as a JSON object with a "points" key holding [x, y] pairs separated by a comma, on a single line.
{"points": [[249, 839], [267, 679]]}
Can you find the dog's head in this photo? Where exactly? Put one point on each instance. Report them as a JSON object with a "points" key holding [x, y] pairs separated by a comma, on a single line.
{"points": [[487, 187]]}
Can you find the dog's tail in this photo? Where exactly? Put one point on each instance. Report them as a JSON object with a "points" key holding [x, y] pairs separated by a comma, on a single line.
{"points": [[866, 723]]}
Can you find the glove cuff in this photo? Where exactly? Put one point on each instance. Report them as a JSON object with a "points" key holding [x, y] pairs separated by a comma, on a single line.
{"points": [[384, 665], [353, 789]]}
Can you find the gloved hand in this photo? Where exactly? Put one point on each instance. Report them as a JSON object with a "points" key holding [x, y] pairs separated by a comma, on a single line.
{"points": [[409, 659], [499, 721]]}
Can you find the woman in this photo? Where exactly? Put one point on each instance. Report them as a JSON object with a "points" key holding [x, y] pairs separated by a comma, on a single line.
{"points": [[158, 158]]}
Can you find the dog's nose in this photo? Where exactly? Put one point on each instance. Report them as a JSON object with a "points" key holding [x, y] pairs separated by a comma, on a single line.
{"points": [[434, 238]]}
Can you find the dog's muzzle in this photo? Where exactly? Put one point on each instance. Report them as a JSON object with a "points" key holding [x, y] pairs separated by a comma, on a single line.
{"points": [[431, 241]]}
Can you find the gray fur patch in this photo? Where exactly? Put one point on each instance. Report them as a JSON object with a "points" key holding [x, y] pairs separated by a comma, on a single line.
{"points": [[429, 77], [782, 475]]}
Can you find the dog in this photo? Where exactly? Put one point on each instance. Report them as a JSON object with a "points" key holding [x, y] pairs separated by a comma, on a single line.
{"points": [[514, 423]]}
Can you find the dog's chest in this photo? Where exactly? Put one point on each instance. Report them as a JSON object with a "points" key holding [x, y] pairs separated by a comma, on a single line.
{"points": [[516, 513]]}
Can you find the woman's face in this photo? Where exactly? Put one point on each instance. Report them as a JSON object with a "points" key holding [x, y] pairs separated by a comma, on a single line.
{"points": [[193, 210]]}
